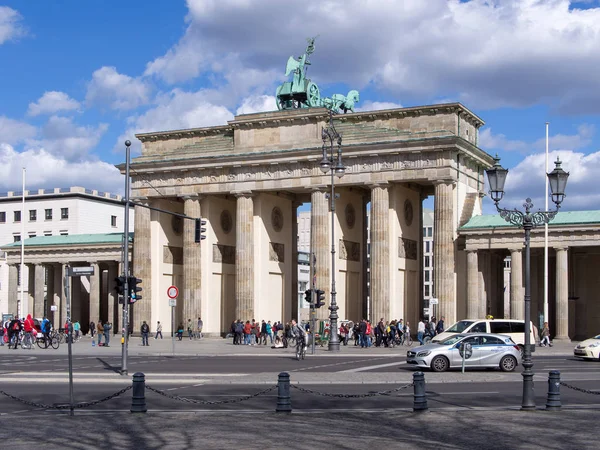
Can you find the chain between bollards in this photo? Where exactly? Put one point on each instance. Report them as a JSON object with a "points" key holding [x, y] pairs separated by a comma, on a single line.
{"points": [[553, 401], [138, 396], [420, 397], [284, 401]]}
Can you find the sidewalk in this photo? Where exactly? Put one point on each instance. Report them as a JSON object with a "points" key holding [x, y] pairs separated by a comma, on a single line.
{"points": [[225, 347]]}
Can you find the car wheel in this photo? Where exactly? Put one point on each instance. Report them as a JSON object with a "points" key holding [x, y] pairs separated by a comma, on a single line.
{"points": [[440, 364], [508, 363]]}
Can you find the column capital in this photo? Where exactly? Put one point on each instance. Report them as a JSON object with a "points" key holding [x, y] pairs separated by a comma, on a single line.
{"points": [[239, 194], [471, 250], [448, 181], [515, 250], [561, 248], [382, 185], [193, 196]]}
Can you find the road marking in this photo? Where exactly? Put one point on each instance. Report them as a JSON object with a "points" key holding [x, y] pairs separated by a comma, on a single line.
{"points": [[379, 366]]}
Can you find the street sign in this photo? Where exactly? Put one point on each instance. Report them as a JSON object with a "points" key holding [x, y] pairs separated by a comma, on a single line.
{"points": [[79, 271], [172, 302], [53, 308], [172, 292], [426, 312], [433, 301]]}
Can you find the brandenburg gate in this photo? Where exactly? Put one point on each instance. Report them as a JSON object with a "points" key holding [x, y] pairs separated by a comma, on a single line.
{"points": [[247, 179]]}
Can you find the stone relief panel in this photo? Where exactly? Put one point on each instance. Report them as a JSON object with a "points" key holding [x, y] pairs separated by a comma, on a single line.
{"points": [[350, 251], [407, 248], [276, 252], [350, 214], [277, 219], [223, 254], [172, 255], [226, 221], [177, 225]]}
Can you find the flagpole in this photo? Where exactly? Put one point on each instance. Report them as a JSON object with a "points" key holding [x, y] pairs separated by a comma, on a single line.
{"points": [[546, 236], [24, 306]]}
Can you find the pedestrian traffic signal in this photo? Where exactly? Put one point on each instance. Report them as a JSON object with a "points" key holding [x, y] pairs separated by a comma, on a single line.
{"points": [[199, 234], [308, 296], [134, 289], [320, 298], [120, 287]]}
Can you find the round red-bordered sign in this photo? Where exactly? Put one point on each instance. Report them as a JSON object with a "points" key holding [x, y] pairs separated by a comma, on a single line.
{"points": [[172, 292]]}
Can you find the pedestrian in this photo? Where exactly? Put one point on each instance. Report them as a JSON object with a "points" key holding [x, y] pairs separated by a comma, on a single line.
{"points": [[180, 331], [77, 329], [106, 330], [239, 332], [263, 332], [14, 328], [545, 336], [190, 329], [439, 329], [200, 326], [145, 329], [362, 329], [158, 330], [92, 329], [420, 331], [270, 331], [247, 333], [100, 329]]}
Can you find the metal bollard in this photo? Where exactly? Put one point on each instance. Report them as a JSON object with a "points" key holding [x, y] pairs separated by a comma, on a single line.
{"points": [[138, 393], [284, 401], [553, 401], [420, 400]]}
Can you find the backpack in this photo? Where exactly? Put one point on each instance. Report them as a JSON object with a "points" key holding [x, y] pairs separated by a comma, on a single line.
{"points": [[16, 326]]}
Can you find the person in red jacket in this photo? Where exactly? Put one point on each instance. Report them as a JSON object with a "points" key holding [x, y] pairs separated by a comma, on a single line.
{"points": [[29, 325]]}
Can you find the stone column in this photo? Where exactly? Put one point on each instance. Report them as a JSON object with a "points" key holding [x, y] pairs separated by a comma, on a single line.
{"points": [[142, 265], [380, 253], [294, 265], [517, 299], [113, 301], [49, 291], [38, 291], [192, 293], [57, 295], [30, 295], [472, 285], [443, 251], [63, 297], [94, 296], [13, 288], [562, 294], [244, 257], [320, 245]]}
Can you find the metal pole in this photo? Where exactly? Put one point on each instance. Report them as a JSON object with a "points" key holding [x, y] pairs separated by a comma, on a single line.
{"points": [[312, 309], [173, 330], [125, 332], [24, 305], [528, 402], [69, 341], [546, 238], [334, 339]]}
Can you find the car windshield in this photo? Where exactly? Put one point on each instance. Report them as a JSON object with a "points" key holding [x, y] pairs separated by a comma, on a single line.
{"points": [[452, 340], [597, 337], [460, 326]]}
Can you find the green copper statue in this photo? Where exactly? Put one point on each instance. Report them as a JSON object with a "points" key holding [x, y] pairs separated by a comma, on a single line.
{"points": [[301, 92]]}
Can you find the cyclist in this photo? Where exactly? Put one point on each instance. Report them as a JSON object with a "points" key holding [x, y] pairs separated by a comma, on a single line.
{"points": [[29, 328], [14, 328], [46, 328], [300, 334]]}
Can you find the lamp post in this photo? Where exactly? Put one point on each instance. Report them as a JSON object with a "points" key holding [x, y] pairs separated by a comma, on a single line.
{"points": [[528, 221], [332, 163]]}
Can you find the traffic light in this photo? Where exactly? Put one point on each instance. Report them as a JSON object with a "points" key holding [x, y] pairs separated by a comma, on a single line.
{"points": [[320, 298], [199, 231], [308, 296], [120, 287], [134, 289]]}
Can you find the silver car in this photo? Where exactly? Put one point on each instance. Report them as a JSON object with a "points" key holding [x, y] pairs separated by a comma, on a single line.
{"points": [[486, 350]]}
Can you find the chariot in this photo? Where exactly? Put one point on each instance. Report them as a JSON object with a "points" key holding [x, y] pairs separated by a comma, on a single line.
{"points": [[301, 92]]}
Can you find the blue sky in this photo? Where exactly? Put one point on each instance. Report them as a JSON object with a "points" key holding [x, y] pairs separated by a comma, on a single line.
{"points": [[78, 78]]}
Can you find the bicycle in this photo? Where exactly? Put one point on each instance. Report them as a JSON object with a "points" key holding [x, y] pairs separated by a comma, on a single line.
{"points": [[14, 341], [28, 341], [300, 349]]}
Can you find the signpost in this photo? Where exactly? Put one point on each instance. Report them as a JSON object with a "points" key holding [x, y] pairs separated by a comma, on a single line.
{"points": [[172, 293], [432, 302]]}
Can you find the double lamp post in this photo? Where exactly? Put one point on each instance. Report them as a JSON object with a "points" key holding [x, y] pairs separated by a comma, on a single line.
{"points": [[332, 163], [528, 221]]}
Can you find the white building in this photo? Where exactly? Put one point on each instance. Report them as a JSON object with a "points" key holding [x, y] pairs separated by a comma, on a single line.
{"points": [[427, 259], [54, 212]]}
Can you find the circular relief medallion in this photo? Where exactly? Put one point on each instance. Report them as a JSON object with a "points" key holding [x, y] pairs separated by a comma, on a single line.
{"points": [[177, 225], [277, 219], [350, 215], [408, 212], [226, 221]]}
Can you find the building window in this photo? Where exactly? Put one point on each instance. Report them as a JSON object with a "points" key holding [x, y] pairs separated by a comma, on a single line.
{"points": [[19, 275], [48, 213], [64, 233], [429, 231], [113, 221], [427, 261], [17, 216], [17, 238], [47, 233], [32, 215], [32, 235], [2, 217], [64, 213], [427, 275], [424, 231], [427, 246], [426, 290]]}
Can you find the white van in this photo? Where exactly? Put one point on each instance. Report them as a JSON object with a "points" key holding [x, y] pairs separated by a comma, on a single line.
{"points": [[508, 327]]}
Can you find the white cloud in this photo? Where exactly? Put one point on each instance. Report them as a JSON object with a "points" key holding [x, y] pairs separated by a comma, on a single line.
{"points": [[488, 53], [47, 170], [15, 132], [175, 110], [52, 102], [374, 106], [10, 24], [61, 137], [115, 90], [257, 103]]}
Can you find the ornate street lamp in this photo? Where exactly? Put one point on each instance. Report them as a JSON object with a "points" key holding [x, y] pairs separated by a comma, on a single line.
{"points": [[528, 220], [332, 162]]}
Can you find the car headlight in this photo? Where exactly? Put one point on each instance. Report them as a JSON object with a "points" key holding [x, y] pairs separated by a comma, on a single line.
{"points": [[597, 344], [422, 354]]}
